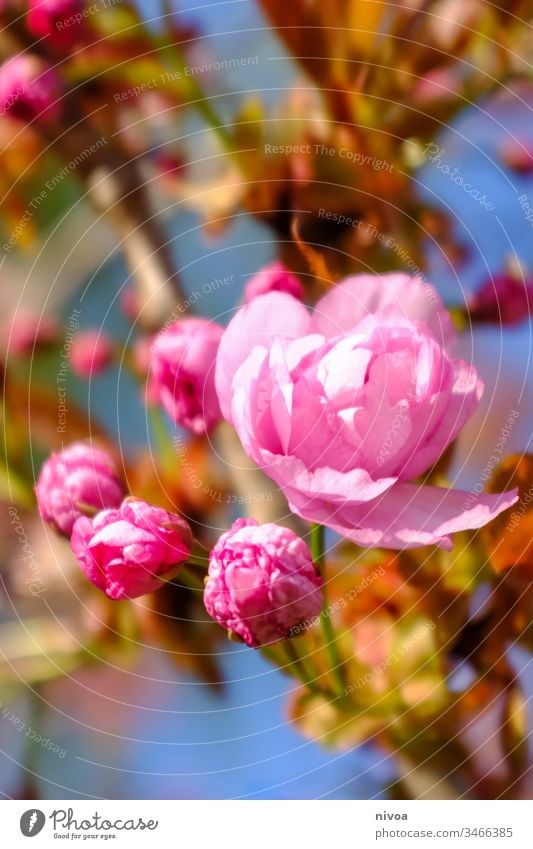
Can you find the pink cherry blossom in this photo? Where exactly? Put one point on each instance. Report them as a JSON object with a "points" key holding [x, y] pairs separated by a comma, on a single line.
{"points": [[182, 373], [345, 407], [262, 583], [131, 551], [91, 353], [502, 299], [78, 477], [27, 330], [60, 22], [274, 277], [29, 88]]}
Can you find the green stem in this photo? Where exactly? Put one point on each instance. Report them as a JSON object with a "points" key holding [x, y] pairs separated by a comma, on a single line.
{"points": [[300, 670], [165, 447], [187, 578], [198, 100], [317, 546], [35, 723], [328, 634], [198, 562]]}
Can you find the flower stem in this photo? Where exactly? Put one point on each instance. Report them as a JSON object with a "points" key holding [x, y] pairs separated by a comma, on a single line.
{"points": [[328, 633], [299, 667], [186, 577], [197, 99], [165, 447]]}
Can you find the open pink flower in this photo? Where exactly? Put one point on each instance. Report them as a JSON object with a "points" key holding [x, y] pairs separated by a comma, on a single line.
{"points": [[262, 583], [182, 373], [346, 406], [274, 277], [128, 552]]}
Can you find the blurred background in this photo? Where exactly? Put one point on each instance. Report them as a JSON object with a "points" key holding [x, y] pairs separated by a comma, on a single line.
{"points": [[139, 723]]}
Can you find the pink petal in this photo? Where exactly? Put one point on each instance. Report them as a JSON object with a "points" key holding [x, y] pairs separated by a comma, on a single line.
{"points": [[349, 302], [256, 324], [409, 516]]}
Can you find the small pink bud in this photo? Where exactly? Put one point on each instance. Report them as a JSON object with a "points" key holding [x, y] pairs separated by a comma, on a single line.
{"points": [[132, 550], [502, 299], [29, 88], [130, 302], [273, 278], [142, 354], [77, 478], [91, 353], [262, 583], [517, 154], [183, 373], [60, 22], [25, 331]]}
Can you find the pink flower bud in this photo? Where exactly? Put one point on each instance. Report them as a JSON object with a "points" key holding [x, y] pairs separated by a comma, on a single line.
{"points": [[60, 22], [91, 353], [502, 299], [183, 373], [29, 88], [262, 583], [25, 331], [273, 278], [131, 551], [130, 303], [77, 478], [517, 154]]}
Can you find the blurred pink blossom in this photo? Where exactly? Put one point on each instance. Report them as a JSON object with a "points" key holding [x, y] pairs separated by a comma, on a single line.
{"points": [[182, 373], [78, 478], [91, 353], [273, 278], [30, 88]]}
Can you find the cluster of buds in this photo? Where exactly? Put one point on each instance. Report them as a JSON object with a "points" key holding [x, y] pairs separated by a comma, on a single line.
{"points": [[262, 583]]}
